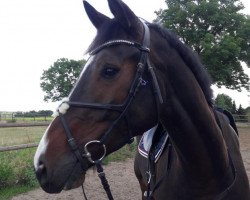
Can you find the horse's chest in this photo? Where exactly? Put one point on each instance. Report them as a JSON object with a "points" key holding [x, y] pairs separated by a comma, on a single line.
{"points": [[174, 186]]}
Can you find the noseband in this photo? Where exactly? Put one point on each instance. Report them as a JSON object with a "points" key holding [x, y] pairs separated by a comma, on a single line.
{"points": [[121, 108]]}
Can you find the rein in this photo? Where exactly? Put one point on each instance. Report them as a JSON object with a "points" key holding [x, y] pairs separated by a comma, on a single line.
{"points": [[122, 108]]}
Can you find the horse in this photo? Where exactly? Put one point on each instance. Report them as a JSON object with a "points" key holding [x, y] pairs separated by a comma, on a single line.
{"points": [[140, 75]]}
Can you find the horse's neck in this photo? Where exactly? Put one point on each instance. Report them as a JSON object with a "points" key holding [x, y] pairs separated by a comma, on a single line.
{"points": [[191, 123]]}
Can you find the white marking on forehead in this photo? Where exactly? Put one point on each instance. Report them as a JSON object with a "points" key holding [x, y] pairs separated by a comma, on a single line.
{"points": [[62, 109], [86, 66], [41, 149], [89, 61], [63, 105]]}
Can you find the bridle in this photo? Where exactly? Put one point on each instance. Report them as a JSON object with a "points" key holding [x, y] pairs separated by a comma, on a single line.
{"points": [[143, 65], [121, 108]]}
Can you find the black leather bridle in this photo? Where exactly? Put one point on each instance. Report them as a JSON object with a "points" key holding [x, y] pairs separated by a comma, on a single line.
{"points": [[121, 108]]}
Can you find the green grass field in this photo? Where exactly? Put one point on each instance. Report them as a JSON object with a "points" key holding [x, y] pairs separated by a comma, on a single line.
{"points": [[20, 135], [32, 119], [10, 118]]}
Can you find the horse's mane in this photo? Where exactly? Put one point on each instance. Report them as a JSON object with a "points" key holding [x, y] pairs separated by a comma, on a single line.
{"points": [[190, 58], [113, 30]]}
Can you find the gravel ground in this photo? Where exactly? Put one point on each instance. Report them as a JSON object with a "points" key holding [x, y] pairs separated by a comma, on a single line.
{"points": [[123, 183]]}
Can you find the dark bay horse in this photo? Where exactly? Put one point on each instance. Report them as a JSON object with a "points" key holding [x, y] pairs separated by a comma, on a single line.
{"points": [[139, 75]]}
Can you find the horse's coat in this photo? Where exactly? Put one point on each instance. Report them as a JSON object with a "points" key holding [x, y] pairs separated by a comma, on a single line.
{"points": [[198, 165]]}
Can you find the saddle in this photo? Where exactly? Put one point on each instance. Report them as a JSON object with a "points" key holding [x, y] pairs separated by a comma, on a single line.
{"points": [[229, 117], [153, 142]]}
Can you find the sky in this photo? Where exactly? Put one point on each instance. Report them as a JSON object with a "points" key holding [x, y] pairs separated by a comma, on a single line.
{"points": [[35, 33]]}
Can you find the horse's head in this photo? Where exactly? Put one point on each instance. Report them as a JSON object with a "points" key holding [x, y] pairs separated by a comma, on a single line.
{"points": [[112, 101]]}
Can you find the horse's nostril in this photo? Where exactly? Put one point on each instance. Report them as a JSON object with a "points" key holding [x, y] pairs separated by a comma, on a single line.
{"points": [[41, 171]]}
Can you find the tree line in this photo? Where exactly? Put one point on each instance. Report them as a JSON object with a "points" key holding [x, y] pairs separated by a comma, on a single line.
{"points": [[33, 113]]}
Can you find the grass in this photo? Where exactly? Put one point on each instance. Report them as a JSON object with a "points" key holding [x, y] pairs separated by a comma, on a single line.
{"points": [[122, 154], [33, 119], [20, 135], [16, 169], [7, 193]]}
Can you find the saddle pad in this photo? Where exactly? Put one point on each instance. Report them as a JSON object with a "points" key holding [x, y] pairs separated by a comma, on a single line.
{"points": [[145, 144]]}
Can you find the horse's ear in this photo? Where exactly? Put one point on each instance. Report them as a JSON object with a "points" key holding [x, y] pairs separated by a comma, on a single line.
{"points": [[95, 17], [124, 15]]}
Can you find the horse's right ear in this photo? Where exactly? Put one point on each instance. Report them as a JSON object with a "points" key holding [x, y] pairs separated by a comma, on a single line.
{"points": [[95, 17]]}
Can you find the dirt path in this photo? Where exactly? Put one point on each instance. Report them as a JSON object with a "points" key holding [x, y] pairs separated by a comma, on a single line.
{"points": [[245, 148], [122, 180]]}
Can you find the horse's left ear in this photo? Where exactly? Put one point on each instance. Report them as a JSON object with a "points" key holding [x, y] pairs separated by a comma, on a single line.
{"points": [[95, 17], [124, 15]]}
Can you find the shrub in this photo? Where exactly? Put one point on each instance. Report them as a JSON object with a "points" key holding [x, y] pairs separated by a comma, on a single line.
{"points": [[16, 168], [6, 175]]}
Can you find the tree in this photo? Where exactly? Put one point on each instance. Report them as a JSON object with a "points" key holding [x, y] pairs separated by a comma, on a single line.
{"points": [[224, 101], [240, 110], [248, 113], [242, 114], [59, 79], [217, 32], [234, 108]]}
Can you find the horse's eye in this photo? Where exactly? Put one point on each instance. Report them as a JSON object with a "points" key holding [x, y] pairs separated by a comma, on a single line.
{"points": [[109, 72]]}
